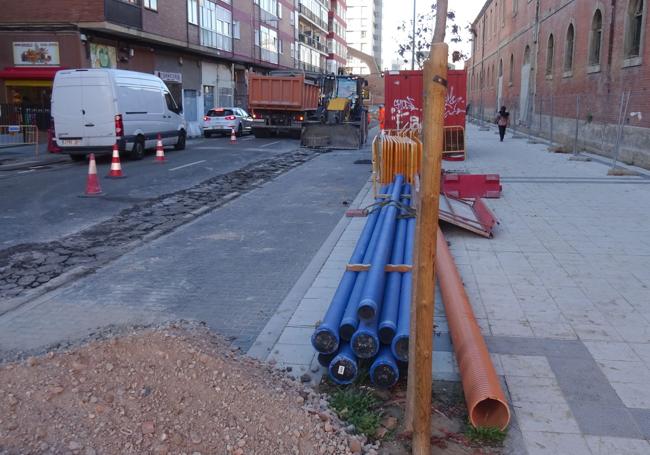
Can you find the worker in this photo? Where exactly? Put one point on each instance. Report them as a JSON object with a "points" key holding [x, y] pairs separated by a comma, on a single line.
{"points": [[381, 116]]}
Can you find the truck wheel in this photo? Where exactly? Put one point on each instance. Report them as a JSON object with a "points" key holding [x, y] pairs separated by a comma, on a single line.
{"points": [[207, 134], [77, 157], [138, 149], [180, 145]]}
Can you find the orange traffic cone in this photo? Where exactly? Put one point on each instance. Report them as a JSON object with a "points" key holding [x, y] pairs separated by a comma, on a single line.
{"points": [[233, 136], [160, 152], [92, 184], [116, 167]]}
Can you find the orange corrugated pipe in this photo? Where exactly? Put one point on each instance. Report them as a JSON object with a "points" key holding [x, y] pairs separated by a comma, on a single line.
{"points": [[486, 402]]}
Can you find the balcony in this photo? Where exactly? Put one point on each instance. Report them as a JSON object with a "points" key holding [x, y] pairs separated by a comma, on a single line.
{"points": [[309, 67], [313, 18], [123, 13], [309, 41]]}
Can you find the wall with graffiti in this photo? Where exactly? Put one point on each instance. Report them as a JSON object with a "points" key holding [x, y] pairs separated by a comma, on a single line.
{"points": [[404, 92]]}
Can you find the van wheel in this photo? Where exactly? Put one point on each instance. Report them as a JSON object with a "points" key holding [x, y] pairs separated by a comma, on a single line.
{"points": [[180, 145], [77, 157], [138, 150]]}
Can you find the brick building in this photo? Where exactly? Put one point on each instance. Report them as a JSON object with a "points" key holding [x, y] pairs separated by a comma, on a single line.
{"points": [[562, 66], [202, 49]]}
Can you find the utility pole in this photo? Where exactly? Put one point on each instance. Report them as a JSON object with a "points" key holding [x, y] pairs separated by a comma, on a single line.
{"points": [[422, 304]]}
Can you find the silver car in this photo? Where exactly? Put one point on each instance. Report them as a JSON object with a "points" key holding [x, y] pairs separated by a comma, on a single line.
{"points": [[222, 120]]}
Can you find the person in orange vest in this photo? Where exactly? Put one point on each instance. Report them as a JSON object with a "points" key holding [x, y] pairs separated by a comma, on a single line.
{"points": [[381, 116]]}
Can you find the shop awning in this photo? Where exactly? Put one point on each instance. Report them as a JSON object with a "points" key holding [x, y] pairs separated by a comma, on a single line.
{"points": [[18, 72]]}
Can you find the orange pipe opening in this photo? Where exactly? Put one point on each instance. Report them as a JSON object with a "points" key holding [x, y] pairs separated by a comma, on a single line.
{"points": [[486, 402]]}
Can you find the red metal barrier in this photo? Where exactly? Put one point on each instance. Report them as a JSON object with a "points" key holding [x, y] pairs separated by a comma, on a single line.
{"points": [[471, 185]]}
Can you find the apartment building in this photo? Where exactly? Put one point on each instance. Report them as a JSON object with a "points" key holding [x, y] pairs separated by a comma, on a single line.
{"points": [[336, 37], [202, 49], [562, 68], [364, 22]]}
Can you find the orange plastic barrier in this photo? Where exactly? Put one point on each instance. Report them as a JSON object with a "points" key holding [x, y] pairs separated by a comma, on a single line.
{"points": [[453, 148], [486, 402], [395, 154]]}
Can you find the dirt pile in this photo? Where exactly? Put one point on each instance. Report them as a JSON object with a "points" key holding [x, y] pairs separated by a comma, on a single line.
{"points": [[161, 391]]}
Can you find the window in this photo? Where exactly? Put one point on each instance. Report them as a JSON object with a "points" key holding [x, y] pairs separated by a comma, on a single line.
{"points": [[503, 13], [268, 44], [171, 104], [511, 76], [270, 6], [596, 35], [131, 2], [151, 4], [634, 29], [500, 69], [550, 50], [216, 26], [236, 27], [568, 50], [193, 12], [515, 7]]}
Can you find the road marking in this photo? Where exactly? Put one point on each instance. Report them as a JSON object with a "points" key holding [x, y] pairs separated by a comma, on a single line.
{"points": [[270, 143], [187, 165], [25, 172]]}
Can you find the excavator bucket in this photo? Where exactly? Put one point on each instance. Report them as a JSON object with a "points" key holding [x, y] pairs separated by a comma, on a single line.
{"points": [[337, 136]]}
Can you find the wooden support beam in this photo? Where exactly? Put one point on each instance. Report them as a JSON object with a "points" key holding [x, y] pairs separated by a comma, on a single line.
{"points": [[420, 375]]}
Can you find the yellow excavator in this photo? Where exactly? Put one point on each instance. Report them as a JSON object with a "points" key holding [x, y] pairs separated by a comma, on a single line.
{"points": [[341, 121]]}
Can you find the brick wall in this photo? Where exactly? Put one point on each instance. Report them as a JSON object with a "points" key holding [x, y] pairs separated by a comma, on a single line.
{"points": [[169, 21], [590, 92], [52, 11]]}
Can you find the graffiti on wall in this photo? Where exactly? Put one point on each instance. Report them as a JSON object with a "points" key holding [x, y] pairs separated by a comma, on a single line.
{"points": [[407, 115]]}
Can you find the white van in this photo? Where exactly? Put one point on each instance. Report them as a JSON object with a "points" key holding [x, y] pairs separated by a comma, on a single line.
{"points": [[92, 109]]}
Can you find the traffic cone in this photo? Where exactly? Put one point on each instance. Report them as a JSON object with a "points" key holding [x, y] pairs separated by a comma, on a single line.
{"points": [[92, 184], [233, 136], [116, 167], [160, 152]]}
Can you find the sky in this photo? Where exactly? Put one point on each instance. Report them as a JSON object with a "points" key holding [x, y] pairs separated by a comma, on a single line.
{"points": [[397, 11]]}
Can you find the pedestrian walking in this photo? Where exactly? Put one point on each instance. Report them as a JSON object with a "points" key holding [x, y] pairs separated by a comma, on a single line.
{"points": [[502, 121]]}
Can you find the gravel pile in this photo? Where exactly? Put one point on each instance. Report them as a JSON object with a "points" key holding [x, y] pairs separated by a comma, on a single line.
{"points": [[169, 390], [29, 266]]}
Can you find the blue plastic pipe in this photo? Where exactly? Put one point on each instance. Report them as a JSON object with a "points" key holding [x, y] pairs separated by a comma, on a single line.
{"points": [[326, 337], [384, 371], [350, 319], [326, 359], [373, 289], [343, 368], [390, 305], [400, 343], [365, 342]]}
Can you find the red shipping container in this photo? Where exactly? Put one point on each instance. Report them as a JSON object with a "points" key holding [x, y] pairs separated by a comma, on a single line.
{"points": [[403, 94]]}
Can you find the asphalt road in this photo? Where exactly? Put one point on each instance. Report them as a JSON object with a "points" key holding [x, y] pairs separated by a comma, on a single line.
{"points": [[43, 204]]}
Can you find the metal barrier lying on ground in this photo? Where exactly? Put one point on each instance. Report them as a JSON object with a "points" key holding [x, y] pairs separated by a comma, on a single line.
{"points": [[19, 135]]}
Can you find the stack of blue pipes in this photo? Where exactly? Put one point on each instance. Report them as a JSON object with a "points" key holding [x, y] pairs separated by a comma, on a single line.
{"points": [[369, 316]]}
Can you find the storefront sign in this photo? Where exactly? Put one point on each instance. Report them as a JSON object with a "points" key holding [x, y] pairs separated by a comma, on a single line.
{"points": [[102, 56], [170, 77], [36, 53]]}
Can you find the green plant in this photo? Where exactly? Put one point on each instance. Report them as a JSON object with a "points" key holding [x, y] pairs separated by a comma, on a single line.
{"points": [[485, 435], [357, 407]]}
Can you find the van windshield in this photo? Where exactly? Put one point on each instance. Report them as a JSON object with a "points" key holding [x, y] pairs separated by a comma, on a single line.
{"points": [[219, 112]]}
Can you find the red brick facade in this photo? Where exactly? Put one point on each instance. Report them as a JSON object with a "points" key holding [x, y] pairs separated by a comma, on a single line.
{"points": [[573, 82]]}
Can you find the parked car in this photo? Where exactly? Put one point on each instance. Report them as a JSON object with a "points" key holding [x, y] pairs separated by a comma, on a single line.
{"points": [[222, 120], [93, 109]]}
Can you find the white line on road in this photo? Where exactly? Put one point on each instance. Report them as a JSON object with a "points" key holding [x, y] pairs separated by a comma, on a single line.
{"points": [[187, 165], [25, 172], [270, 143]]}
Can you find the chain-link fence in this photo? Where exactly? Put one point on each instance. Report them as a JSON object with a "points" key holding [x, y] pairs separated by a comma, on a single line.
{"points": [[616, 125]]}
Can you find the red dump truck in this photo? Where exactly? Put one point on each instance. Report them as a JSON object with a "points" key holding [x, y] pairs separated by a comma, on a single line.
{"points": [[281, 103]]}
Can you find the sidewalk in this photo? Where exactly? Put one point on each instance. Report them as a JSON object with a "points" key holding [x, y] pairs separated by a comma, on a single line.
{"points": [[562, 294], [12, 158]]}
